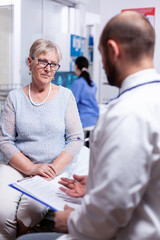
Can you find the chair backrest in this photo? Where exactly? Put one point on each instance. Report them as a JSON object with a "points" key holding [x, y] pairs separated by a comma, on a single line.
{"points": [[4, 90]]}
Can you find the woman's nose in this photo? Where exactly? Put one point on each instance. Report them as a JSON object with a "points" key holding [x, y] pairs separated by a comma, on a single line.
{"points": [[47, 67]]}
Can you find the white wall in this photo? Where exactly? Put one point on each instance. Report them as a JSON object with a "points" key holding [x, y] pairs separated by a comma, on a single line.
{"points": [[108, 9], [31, 29], [5, 50], [14, 36], [56, 27], [93, 6]]}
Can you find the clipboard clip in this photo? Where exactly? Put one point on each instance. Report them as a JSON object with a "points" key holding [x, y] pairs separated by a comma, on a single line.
{"points": [[24, 179]]}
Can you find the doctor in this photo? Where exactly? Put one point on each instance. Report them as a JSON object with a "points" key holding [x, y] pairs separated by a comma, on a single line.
{"points": [[123, 187]]}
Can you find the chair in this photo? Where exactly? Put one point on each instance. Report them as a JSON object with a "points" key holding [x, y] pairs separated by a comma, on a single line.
{"points": [[4, 90]]}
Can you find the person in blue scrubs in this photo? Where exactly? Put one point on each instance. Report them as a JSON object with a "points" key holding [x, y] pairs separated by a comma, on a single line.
{"points": [[84, 91]]}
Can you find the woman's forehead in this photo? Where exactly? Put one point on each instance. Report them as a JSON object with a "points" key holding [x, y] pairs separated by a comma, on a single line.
{"points": [[52, 55]]}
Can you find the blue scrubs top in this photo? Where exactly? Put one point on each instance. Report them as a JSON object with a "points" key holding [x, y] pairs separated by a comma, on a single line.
{"points": [[85, 96]]}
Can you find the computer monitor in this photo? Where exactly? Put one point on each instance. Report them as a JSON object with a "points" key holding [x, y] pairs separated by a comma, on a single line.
{"points": [[64, 78]]}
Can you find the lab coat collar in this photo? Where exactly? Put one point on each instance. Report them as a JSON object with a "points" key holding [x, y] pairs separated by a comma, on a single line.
{"points": [[140, 77]]}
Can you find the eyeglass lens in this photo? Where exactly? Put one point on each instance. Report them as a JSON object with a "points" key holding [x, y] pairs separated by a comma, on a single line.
{"points": [[44, 63]]}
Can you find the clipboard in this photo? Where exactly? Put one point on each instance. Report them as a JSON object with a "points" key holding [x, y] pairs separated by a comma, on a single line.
{"points": [[46, 192]]}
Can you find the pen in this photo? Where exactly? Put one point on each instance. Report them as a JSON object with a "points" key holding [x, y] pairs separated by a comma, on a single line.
{"points": [[86, 140]]}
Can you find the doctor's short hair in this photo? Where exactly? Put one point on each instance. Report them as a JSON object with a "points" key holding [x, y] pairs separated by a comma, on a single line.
{"points": [[136, 35], [41, 46]]}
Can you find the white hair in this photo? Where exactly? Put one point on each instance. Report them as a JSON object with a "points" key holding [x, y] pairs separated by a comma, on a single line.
{"points": [[44, 46]]}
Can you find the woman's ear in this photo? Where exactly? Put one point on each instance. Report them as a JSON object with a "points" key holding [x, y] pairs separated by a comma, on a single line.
{"points": [[114, 49], [29, 61]]}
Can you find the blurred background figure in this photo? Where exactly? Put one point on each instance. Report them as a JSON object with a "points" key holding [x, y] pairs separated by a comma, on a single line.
{"points": [[84, 90]]}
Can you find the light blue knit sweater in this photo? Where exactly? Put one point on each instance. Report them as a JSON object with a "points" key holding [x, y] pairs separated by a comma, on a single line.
{"points": [[40, 133]]}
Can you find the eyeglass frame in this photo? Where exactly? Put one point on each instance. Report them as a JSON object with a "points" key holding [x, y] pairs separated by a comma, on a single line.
{"points": [[47, 63]]}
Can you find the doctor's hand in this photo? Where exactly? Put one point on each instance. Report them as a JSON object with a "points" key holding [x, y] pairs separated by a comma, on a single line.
{"points": [[60, 219], [74, 187]]}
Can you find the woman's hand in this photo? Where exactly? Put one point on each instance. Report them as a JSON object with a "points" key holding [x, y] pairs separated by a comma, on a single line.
{"points": [[74, 188], [44, 170]]}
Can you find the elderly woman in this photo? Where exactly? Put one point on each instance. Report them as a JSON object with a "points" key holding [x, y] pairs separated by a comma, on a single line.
{"points": [[40, 134]]}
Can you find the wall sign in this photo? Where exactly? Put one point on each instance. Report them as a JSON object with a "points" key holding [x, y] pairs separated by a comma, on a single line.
{"points": [[149, 13], [77, 46], [77, 49]]}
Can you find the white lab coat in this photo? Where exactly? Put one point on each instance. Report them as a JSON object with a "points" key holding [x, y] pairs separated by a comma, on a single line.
{"points": [[122, 201]]}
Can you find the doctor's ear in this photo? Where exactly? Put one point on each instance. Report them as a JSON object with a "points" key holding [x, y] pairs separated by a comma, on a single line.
{"points": [[113, 48]]}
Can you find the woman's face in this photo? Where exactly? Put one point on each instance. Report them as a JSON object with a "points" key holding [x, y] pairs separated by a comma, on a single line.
{"points": [[43, 75], [77, 70]]}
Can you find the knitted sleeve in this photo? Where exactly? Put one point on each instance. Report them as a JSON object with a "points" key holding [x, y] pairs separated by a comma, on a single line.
{"points": [[74, 131], [8, 132]]}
